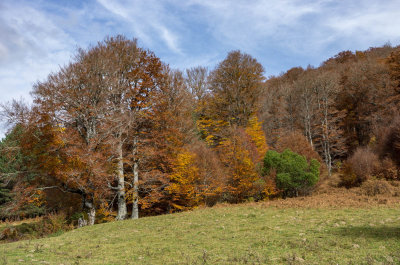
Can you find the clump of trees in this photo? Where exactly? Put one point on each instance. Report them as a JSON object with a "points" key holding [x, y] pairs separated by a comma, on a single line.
{"points": [[117, 129], [118, 133], [344, 109]]}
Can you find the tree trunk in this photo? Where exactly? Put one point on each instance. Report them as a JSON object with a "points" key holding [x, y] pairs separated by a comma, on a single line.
{"points": [[91, 211], [121, 215], [91, 215], [135, 207]]}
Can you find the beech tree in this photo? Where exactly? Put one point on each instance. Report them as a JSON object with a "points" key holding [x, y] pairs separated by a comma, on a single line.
{"points": [[329, 119], [169, 129], [279, 105], [364, 83], [132, 75], [196, 81], [304, 89], [73, 104], [393, 99], [100, 96], [236, 84], [117, 127]]}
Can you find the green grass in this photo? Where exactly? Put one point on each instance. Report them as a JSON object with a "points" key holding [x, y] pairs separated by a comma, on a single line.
{"points": [[245, 234]]}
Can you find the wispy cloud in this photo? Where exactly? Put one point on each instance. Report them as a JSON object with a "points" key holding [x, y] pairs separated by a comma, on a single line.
{"points": [[31, 46], [366, 21], [148, 19], [37, 36]]}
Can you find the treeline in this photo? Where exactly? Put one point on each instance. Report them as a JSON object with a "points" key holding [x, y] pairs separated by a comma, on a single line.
{"points": [[117, 130], [348, 110]]}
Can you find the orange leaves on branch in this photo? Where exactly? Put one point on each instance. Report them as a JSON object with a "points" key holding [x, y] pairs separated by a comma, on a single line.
{"points": [[242, 170], [37, 198]]}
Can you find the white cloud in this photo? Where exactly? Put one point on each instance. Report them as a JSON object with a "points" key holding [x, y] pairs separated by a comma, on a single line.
{"points": [[369, 20], [246, 23], [35, 40], [32, 47], [148, 19]]}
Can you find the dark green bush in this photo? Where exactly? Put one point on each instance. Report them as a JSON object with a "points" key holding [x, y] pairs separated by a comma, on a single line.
{"points": [[294, 175]]}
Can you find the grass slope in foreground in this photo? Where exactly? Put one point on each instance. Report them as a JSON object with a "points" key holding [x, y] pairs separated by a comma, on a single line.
{"points": [[242, 234]]}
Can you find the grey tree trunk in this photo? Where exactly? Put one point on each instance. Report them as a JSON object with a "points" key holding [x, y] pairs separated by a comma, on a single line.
{"points": [[135, 206], [91, 212], [91, 215], [122, 212]]}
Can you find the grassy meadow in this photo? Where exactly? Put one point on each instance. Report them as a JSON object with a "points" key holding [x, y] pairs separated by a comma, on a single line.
{"points": [[254, 233]]}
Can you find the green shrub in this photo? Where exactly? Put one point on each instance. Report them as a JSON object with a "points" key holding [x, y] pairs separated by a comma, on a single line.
{"points": [[26, 228], [294, 175]]}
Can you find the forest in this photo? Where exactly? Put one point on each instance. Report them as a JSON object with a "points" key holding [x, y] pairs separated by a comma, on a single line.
{"points": [[117, 134]]}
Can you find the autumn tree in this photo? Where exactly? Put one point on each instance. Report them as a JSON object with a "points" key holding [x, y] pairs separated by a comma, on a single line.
{"points": [[131, 76], [328, 139], [364, 83], [69, 107], [393, 99], [197, 83], [241, 169], [98, 99], [170, 128], [304, 89], [279, 105], [236, 84], [185, 180], [256, 136], [228, 123]]}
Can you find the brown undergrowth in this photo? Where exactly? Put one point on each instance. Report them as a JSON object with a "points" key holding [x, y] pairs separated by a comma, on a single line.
{"points": [[328, 195]]}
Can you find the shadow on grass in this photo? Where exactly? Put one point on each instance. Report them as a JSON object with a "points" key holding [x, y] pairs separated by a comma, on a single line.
{"points": [[378, 232]]}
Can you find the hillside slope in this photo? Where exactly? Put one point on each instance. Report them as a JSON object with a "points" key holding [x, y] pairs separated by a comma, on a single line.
{"points": [[241, 234]]}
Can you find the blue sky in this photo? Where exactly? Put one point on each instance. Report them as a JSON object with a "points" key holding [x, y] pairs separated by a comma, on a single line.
{"points": [[37, 36]]}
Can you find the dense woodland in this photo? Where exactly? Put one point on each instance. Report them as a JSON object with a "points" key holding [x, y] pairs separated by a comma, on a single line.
{"points": [[116, 133]]}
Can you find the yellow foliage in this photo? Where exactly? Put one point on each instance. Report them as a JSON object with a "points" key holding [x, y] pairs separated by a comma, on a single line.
{"points": [[104, 214], [183, 182], [269, 190], [211, 130], [254, 130], [58, 135], [37, 198], [242, 169]]}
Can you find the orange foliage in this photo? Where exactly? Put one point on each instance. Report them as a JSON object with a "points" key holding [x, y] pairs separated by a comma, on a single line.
{"points": [[297, 143], [256, 134], [185, 176], [242, 170]]}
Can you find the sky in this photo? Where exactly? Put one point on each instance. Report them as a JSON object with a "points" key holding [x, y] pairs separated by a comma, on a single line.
{"points": [[38, 37]]}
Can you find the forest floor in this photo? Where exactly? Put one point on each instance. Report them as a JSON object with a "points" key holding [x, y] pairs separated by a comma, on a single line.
{"points": [[337, 227]]}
